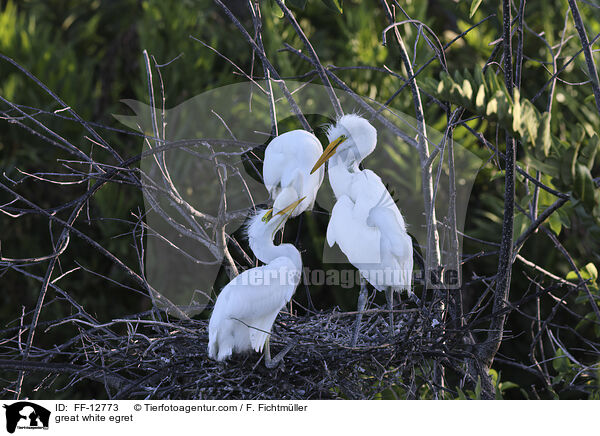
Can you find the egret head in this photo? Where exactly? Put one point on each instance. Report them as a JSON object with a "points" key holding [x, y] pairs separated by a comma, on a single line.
{"points": [[352, 139], [262, 227], [265, 223]]}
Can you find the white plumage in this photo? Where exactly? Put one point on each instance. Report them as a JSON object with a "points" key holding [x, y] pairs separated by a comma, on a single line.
{"points": [[365, 221], [247, 307], [383, 250], [365, 207], [286, 170]]}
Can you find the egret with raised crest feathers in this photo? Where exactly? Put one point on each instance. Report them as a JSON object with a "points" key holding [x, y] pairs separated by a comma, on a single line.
{"points": [[383, 253]]}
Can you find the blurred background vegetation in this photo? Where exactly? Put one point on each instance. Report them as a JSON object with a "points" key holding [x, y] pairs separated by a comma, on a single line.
{"points": [[89, 54]]}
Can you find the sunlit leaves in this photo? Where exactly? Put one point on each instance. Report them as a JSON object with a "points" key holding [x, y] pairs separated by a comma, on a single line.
{"points": [[474, 6], [544, 134], [588, 273], [569, 163]]}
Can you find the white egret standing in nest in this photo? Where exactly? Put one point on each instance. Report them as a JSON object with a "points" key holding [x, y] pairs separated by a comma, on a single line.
{"points": [[288, 161], [365, 221], [247, 307]]}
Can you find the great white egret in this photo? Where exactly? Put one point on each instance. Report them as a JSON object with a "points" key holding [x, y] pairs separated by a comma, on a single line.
{"points": [[247, 306], [383, 251], [286, 170]]}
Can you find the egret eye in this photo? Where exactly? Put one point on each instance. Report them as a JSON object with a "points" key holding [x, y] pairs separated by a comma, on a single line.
{"points": [[267, 217]]}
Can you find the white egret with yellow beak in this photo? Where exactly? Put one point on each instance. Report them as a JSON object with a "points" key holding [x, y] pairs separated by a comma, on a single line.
{"points": [[365, 221], [288, 161], [247, 306]]}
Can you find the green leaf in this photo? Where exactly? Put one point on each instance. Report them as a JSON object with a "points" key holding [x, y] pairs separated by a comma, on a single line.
{"points": [[430, 85], [555, 223], [561, 364], [494, 374], [530, 121], [586, 321], [478, 388], [504, 386], [549, 166], [587, 153], [474, 6], [563, 214], [298, 4], [491, 82], [335, 5], [566, 167], [458, 78], [492, 107], [572, 275], [480, 98], [590, 268], [277, 10], [584, 186], [479, 79], [544, 134], [457, 92], [516, 112], [467, 90], [588, 272]]}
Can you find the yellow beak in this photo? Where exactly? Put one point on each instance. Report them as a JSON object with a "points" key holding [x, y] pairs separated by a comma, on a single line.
{"points": [[329, 151], [291, 207], [269, 215]]}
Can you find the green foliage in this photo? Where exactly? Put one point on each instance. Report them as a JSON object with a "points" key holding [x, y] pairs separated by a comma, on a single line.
{"points": [[470, 395], [567, 163], [588, 272], [500, 388]]}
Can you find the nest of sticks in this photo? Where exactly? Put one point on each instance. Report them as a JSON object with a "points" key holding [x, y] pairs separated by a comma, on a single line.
{"points": [[155, 359]]}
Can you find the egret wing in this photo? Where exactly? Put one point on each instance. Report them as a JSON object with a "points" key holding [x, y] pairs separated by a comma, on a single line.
{"points": [[391, 225], [348, 227], [259, 293], [273, 168]]}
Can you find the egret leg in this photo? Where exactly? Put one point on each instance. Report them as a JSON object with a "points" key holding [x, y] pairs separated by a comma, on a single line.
{"points": [[267, 352], [273, 363], [362, 301], [389, 296]]}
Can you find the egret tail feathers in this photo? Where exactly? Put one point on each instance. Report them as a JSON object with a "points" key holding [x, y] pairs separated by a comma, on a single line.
{"points": [[260, 331], [218, 349]]}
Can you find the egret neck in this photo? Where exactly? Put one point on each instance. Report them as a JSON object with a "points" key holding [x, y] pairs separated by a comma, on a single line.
{"points": [[261, 243]]}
